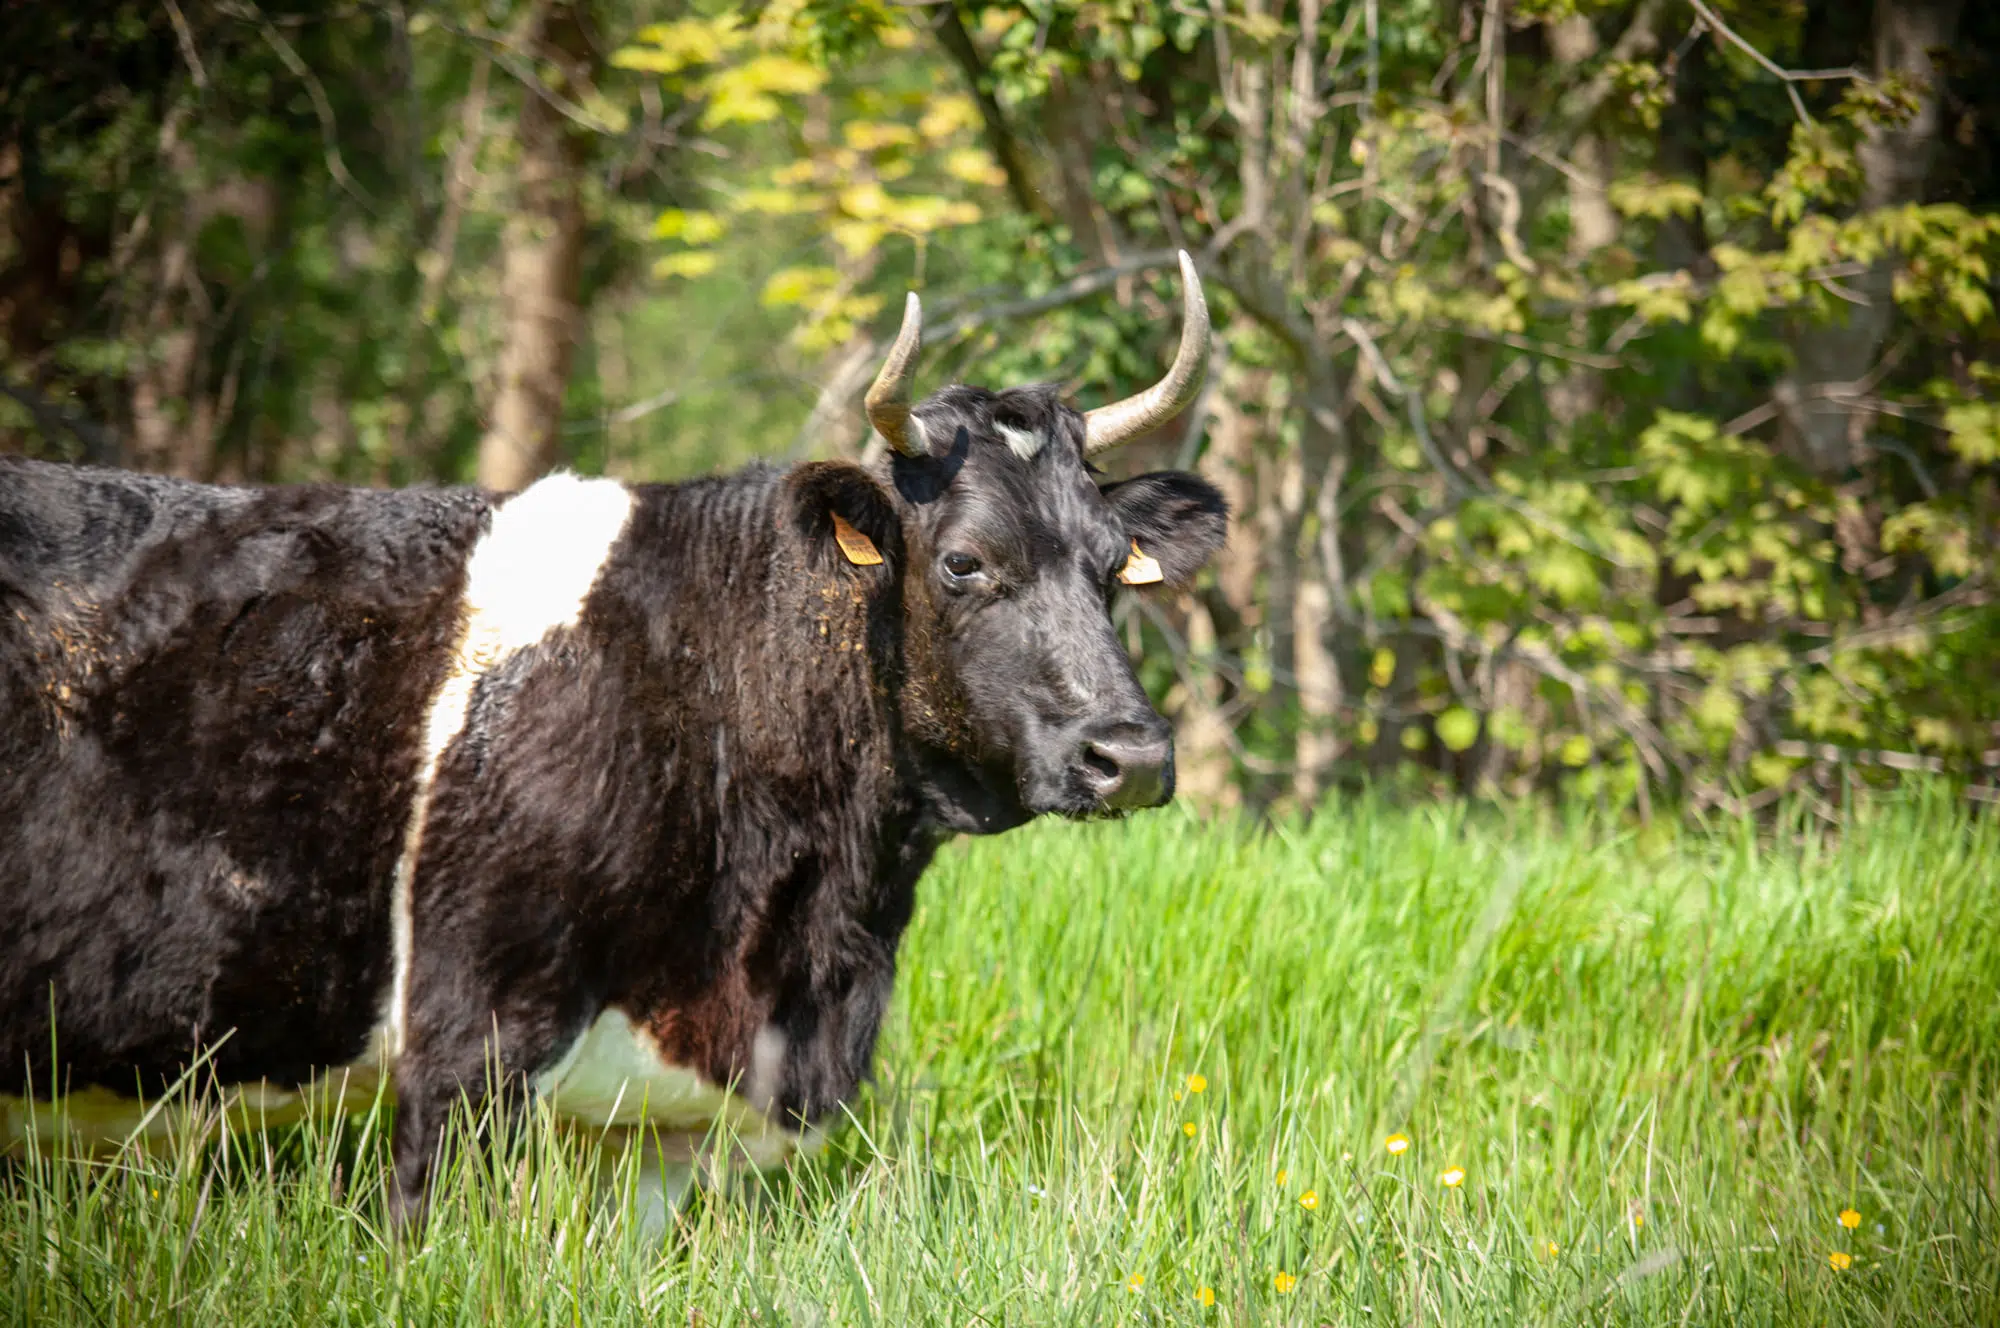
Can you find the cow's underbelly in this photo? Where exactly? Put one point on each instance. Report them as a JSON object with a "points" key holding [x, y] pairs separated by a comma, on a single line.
{"points": [[94, 1120], [614, 1077], [612, 1081]]}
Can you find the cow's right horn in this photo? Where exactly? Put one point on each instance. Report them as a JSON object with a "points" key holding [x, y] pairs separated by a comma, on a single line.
{"points": [[1122, 421], [889, 398]]}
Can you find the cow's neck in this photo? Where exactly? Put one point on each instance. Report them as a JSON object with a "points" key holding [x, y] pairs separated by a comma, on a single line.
{"points": [[762, 677]]}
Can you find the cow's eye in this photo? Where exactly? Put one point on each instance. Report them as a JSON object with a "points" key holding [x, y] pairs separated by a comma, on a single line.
{"points": [[960, 565]]}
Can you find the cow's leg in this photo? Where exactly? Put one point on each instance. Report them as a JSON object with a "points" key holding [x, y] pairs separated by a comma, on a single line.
{"points": [[460, 1046]]}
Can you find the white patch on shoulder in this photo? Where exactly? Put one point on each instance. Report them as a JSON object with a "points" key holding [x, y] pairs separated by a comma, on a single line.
{"points": [[529, 574], [614, 1076], [1023, 443]]}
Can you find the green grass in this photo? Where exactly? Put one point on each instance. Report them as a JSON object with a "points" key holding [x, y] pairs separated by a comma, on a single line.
{"points": [[1677, 1056]]}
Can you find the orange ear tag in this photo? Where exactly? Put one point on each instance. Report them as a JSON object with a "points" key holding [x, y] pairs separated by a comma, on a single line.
{"points": [[1141, 570], [860, 550]]}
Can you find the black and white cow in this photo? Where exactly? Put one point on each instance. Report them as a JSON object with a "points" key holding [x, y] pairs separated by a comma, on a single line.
{"points": [[625, 787]]}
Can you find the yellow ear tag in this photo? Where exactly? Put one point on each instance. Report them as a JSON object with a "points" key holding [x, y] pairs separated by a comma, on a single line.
{"points": [[1141, 570], [860, 550]]}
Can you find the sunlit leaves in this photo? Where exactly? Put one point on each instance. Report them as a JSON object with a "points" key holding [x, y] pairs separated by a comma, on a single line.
{"points": [[1650, 196], [798, 285], [687, 263], [1659, 301], [695, 228], [1457, 728], [1934, 531], [750, 92], [669, 48]]}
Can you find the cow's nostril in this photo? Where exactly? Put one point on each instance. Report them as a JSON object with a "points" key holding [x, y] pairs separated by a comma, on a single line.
{"points": [[1127, 769]]}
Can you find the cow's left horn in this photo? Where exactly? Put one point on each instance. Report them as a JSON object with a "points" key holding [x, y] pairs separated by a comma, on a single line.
{"points": [[889, 398], [1122, 421]]}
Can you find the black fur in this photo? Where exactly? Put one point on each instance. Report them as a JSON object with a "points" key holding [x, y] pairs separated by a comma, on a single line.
{"points": [[208, 711], [707, 804]]}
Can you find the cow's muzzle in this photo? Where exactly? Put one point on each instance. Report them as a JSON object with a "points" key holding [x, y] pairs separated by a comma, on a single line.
{"points": [[1129, 764]]}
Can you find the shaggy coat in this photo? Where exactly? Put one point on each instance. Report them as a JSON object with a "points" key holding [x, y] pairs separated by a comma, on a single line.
{"points": [[304, 778]]}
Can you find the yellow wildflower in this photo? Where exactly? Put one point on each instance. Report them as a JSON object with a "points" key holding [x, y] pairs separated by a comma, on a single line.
{"points": [[1849, 1218], [1197, 1083], [1452, 1178], [1206, 1296], [1841, 1261], [1551, 1249], [1397, 1144], [1310, 1199], [1134, 1282], [1282, 1173], [1190, 1129], [1284, 1282]]}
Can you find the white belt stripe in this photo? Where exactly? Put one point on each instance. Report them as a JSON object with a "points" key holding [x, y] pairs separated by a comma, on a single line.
{"points": [[529, 574]]}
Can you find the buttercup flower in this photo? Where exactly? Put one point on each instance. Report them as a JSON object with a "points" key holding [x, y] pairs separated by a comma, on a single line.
{"points": [[1284, 1282], [1849, 1218], [1197, 1083], [1452, 1178], [1397, 1144], [1551, 1249], [1206, 1296], [1282, 1173], [1134, 1282], [1841, 1260], [1310, 1199], [1189, 1128]]}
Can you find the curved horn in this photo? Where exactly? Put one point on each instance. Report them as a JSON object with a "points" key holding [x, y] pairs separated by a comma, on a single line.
{"points": [[1122, 421], [889, 398]]}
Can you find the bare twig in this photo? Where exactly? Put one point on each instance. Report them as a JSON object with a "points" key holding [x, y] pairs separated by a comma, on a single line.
{"points": [[329, 128], [185, 35], [1462, 483], [1080, 287], [1792, 77]]}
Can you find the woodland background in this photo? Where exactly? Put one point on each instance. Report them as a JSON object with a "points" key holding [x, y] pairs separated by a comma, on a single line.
{"points": [[1606, 391]]}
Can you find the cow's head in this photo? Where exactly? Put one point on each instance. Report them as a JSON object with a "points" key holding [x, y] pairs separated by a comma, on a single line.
{"points": [[1017, 688]]}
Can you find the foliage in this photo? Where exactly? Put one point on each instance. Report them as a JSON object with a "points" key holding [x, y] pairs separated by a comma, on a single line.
{"points": [[1665, 1064], [1634, 404]]}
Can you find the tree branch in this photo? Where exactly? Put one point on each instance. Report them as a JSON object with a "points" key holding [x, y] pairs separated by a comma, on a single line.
{"points": [[1791, 77], [1080, 287], [958, 44]]}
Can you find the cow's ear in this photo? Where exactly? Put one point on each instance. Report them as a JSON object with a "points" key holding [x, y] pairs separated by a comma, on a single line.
{"points": [[822, 490], [1174, 517]]}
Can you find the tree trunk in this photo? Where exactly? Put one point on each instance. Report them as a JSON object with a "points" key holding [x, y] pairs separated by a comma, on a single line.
{"points": [[1818, 431], [542, 258], [1314, 662], [1303, 595], [1204, 742]]}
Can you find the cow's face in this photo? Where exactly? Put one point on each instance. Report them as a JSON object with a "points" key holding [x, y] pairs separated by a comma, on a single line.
{"points": [[1017, 690], [1013, 552]]}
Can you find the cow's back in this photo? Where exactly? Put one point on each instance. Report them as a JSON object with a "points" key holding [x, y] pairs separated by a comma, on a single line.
{"points": [[210, 702]]}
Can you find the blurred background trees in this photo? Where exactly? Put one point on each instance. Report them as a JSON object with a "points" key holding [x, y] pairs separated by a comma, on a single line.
{"points": [[1606, 391]]}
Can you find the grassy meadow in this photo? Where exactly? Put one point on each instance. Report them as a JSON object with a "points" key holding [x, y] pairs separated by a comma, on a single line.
{"points": [[1436, 1065]]}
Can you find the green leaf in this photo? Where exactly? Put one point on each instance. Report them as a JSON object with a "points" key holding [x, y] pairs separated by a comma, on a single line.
{"points": [[1457, 729]]}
